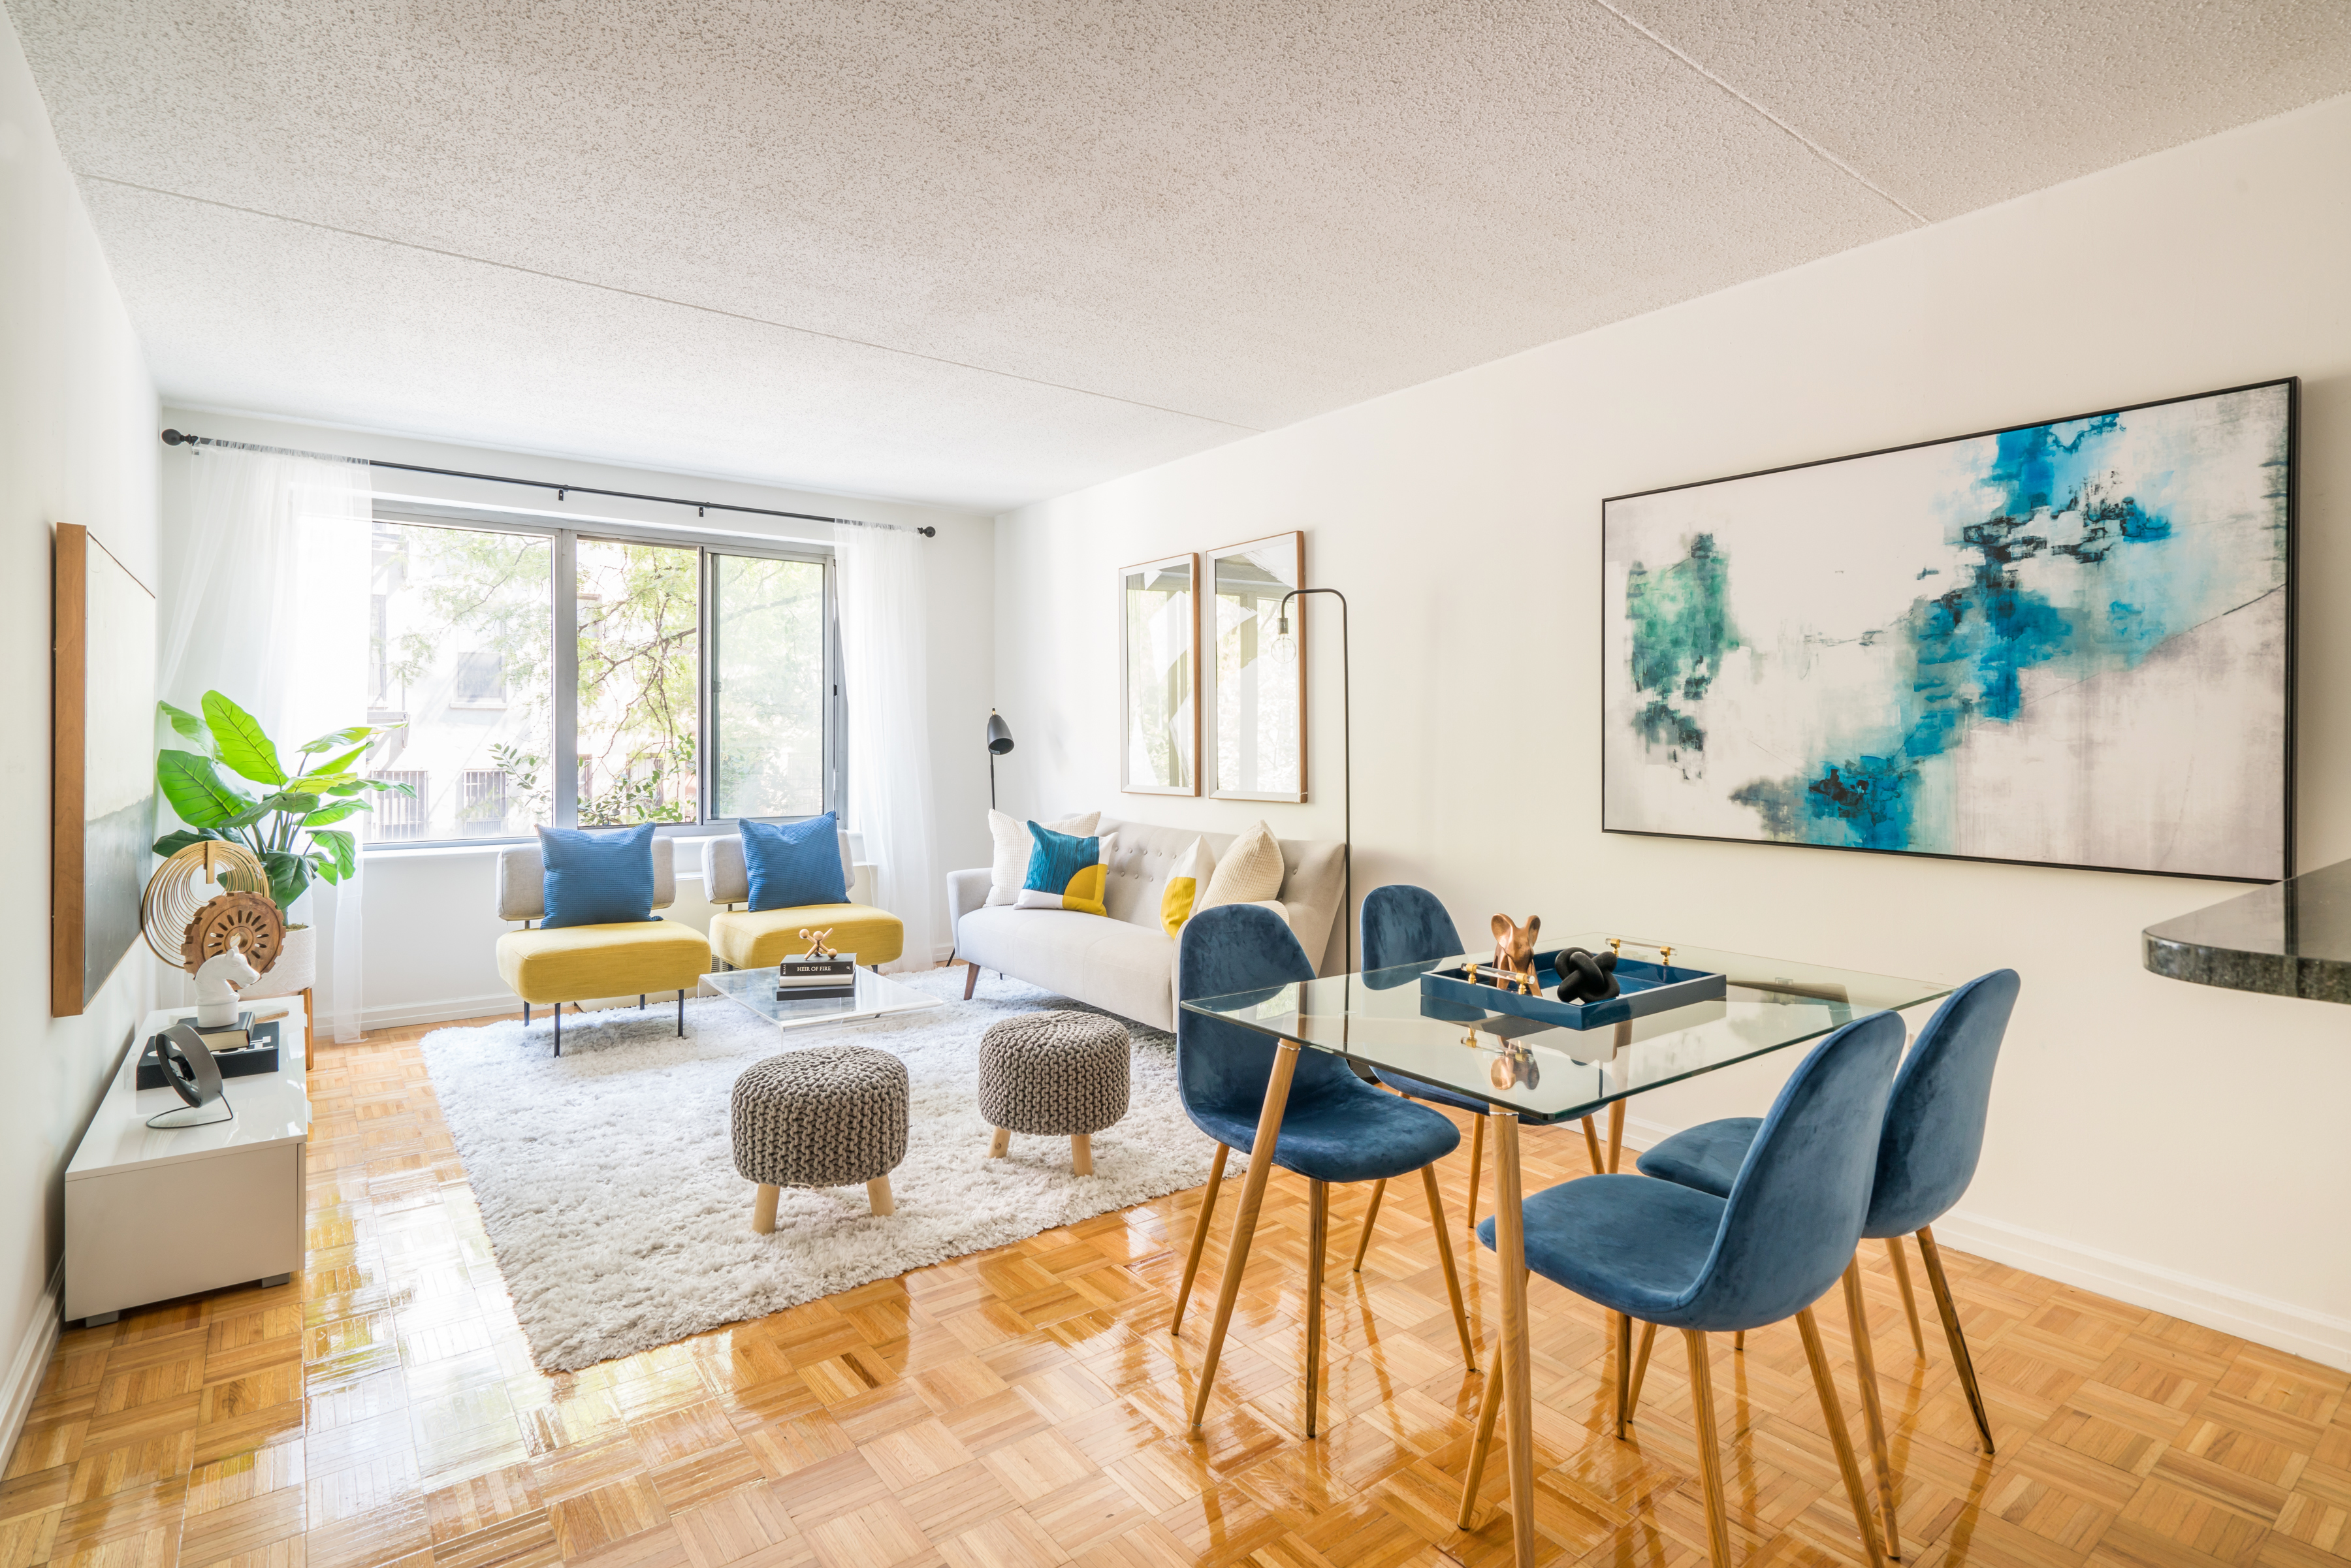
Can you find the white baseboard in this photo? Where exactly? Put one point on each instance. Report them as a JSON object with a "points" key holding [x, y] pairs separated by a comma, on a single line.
{"points": [[30, 1364], [497, 1004], [2264, 1320]]}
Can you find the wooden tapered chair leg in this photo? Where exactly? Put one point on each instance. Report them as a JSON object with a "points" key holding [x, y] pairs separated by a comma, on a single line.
{"points": [[1318, 1237], [1640, 1370], [1452, 1276], [1833, 1410], [1476, 1152], [1592, 1146], [1622, 1323], [1372, 1218], [1910, 1300], [1709, 1449], [970, 979], [1864, 1370], [1949, 1311], [1199, 1234], [1739, 1341], [1489, 1407]]}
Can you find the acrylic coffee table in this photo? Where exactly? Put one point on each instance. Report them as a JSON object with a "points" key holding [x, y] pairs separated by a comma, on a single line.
{"points": [[878, 996]]}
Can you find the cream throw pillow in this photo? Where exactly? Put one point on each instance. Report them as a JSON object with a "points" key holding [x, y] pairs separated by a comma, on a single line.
{"points": [[1009, 874], [1248, 872]]}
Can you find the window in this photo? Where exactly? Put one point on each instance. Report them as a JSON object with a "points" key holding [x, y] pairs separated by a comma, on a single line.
{"points": [[700, 684]]}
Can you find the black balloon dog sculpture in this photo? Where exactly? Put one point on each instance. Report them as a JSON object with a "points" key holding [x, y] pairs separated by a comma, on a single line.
{"points": [[1585, 976]]}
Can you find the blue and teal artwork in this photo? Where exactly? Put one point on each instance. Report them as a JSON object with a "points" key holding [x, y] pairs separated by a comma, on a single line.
{"points": [[2064, 644]]}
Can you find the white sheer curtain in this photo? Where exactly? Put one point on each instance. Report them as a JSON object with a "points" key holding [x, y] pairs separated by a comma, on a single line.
{"points": [[264, 601], [884, 648]]}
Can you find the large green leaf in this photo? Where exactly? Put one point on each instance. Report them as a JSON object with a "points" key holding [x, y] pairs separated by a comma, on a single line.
{"points": [[386, 787], [335, 813], [340, 851], [197, 793], [243, 746], [349, 734], [172, 844], [290, 876], [193, 729], [298, 801], [249, 816], [319, 783], [348, 762]]}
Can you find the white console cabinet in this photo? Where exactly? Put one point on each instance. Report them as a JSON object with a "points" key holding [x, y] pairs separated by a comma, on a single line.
{"points": [[153, 1214]]}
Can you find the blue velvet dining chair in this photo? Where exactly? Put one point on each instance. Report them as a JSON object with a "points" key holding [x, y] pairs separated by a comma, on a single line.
{"points": [[1926, 1155], [1661, 1253], [1406, 925], [1335, 1126]]}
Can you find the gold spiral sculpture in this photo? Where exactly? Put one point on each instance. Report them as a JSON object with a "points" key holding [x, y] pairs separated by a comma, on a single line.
{"points": [[185, 925]]}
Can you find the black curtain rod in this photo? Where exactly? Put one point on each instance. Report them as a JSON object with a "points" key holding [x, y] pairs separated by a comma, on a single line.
{"points": [[179, 438]]}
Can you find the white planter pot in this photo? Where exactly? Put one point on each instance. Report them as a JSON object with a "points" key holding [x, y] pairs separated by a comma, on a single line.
{"points": [[297, 969]]}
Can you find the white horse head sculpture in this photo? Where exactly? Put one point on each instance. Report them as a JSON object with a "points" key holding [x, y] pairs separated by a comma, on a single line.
{"points": [[217, 981]]}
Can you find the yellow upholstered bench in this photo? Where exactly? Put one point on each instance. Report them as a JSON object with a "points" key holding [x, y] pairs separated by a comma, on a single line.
{"points": [[752, 940], [578, 963]]}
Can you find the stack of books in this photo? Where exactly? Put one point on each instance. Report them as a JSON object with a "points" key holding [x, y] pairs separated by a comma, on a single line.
{"points": [[241, 1050], [833, 977]]}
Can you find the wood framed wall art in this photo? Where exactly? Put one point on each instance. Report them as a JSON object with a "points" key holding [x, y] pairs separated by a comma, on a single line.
{"points": [[102, 766], [2069, 644], [1159, 644], [1257, 749]]}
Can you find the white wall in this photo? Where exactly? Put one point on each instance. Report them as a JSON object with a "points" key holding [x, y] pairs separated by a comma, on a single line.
{"points": [[77, 446], [430, 917], [2176, 1145]]}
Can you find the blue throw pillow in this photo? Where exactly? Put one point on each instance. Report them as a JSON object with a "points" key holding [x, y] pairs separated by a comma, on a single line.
{"points": [[794, 864], [598, 876]]}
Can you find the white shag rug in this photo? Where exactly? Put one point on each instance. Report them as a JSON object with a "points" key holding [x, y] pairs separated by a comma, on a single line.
{"points": [[606, 1176]]}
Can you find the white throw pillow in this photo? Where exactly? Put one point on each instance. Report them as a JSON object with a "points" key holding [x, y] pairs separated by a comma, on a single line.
{"points": [[1013, 844], [1184, 884], [1248, 872]]}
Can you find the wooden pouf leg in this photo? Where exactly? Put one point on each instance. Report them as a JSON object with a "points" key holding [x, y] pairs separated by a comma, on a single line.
{"points": [[999, 1144], [877, 1193], [1081, 1154], [763, 1210]]}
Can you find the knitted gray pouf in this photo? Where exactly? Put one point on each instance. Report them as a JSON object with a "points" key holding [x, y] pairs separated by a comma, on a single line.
{"points": [[832, 1115], [1062, 1074]]}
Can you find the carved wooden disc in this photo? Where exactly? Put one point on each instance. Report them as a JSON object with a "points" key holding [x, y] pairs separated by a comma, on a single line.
{"points": [[251, 916]]}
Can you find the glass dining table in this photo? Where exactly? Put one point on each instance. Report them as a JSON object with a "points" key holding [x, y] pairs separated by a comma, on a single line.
{"points": [[1529, 1071]]}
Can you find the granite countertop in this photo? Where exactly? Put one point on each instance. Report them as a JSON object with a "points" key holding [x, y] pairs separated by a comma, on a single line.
{"points": [[2292, 938]]}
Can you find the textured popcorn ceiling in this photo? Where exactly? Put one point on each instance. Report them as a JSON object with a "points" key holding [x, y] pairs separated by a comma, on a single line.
{"points": [[981, 253]]}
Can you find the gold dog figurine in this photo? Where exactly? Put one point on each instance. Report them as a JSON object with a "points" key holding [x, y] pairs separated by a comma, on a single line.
{"points": [[1514, 951], [815, 939]]}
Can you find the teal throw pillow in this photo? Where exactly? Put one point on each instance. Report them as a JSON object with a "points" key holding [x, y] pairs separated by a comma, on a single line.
{"points": [[598, 876], [794, 864]]}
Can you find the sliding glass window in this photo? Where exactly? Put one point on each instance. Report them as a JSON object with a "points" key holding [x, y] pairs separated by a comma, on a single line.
{"points": [[701, 685]]}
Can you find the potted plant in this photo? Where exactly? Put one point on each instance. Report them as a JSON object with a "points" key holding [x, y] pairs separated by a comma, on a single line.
{"points": [[288, 823]]}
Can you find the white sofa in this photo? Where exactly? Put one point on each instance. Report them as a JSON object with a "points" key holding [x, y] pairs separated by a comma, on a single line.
{"points": [[1126, 964]]}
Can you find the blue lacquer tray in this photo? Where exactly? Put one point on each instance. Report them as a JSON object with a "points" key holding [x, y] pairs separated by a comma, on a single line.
{"points": [[1645, 987]]}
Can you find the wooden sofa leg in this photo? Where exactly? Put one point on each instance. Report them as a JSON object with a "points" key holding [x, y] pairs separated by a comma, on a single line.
{"points": [[877, 1193], [763, 1209], [970, 979]]}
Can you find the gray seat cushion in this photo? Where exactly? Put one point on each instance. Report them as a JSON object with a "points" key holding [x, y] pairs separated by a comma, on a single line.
{"points": [[1056, 1073], [831, 1116]]}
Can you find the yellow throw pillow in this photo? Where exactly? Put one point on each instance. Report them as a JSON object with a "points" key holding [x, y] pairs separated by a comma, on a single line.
{"points": [[1250, 872], [1184, 884]]}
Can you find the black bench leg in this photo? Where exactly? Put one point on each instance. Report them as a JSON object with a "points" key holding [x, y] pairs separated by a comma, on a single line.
{"points": [[681, 1012], [641, 1002], [526, 1015], [558, 1028]]}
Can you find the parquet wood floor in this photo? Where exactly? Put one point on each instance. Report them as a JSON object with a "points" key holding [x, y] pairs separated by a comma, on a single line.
{"points": [[1026, 1407]]}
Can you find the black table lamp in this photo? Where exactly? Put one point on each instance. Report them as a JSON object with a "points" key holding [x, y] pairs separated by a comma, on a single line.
{"points": [[999, 741]]}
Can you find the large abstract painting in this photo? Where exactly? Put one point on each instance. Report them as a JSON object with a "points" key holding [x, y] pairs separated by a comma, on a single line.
{"points": [[2065, 644]]}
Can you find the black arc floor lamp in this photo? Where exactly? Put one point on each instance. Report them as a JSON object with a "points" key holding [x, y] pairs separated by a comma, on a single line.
{"points": [[999, 741], [1347, 746]]}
